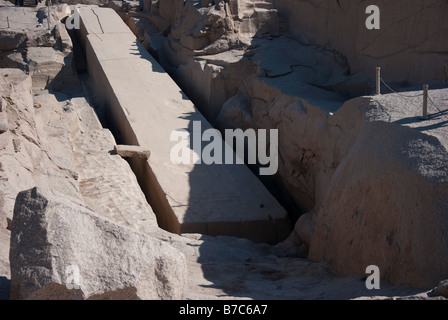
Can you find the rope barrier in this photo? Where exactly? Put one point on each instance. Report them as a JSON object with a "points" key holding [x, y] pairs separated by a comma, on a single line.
{"points": [[400, 94], [438, 109], [425, 96]]}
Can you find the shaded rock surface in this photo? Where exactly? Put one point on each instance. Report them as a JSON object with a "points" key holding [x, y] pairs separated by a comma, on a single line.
{"points": [[442, 289], [401, 49], [47, 226]]}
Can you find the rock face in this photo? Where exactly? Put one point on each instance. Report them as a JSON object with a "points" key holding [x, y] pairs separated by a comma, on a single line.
{"points": [[139, 268], [71, 155], [418, 55], [18, 142], [250, 74]]}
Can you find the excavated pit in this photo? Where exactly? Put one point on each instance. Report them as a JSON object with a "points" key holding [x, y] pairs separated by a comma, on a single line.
{"points": [[346, 137], [144, 106], [273, 64]]}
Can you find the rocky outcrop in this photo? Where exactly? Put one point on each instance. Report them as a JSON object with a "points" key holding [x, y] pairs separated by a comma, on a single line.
{"points": [[333, 160], [209, 44], [19, 143], [396, 192], [96, 258], [38, 43], [62, 148], [97, 186]]}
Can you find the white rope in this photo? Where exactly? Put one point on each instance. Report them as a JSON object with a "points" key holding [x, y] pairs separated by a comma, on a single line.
{"points": [[400, 94], [415, 96], [438, 109]]}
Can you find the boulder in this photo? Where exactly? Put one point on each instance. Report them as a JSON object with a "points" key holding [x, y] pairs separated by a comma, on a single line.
{"points": [[386, 205], [298, 242], [170, 9], [62, 250], [49, 67]]}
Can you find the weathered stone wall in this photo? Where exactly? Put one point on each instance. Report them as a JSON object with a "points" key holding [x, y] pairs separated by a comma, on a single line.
{"points": [[410, 46]]}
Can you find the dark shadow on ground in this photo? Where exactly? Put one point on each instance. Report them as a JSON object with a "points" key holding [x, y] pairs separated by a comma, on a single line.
{"points": [[441, 118], [5, 285]]}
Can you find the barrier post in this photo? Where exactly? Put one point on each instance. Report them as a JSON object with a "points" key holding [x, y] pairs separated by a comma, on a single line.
{"points": [[48, 18], [7, 20], [425, 102], [378, 81]]}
